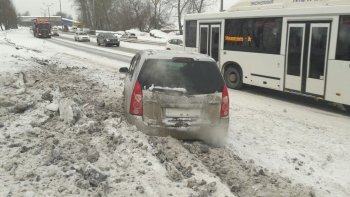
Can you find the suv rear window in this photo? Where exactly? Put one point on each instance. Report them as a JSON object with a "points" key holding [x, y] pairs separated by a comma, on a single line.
{"points": [[197, 77]]}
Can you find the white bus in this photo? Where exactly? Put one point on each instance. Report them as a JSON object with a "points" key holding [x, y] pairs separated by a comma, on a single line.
{"points": [[299, 46]]}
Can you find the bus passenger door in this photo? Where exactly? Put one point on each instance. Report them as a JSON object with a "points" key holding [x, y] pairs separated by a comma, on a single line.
{"points": [[317, 58], [294, 58], [306, 57], [210, 40], [204, 39], [214, 42]]}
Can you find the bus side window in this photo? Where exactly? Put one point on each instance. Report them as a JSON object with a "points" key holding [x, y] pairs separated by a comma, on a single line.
{"points": [[259, 35], [343, 45], [191, 33]]}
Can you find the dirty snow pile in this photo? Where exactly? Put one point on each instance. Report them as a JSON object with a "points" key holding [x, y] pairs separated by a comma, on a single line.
{"points": [[63, 133]]}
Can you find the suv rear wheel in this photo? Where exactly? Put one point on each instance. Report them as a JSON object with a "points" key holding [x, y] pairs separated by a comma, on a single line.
{"points": [[233, 77]]}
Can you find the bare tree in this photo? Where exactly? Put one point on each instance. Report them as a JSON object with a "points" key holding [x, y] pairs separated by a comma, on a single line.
{"points": [[84, 14], [161, 13], [8, 15], [181, 6], [199, 6], [141, 14]]}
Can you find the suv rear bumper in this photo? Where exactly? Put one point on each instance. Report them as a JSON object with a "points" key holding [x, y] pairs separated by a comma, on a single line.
{"points": [[196, 132], [112, 42]]}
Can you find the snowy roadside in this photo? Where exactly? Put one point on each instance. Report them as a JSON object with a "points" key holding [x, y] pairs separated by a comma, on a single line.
{"points": [[100, 154], [40, 48], [86, 148]]}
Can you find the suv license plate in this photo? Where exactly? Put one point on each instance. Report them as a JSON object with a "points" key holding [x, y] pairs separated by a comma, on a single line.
{"points": [[182, 113]]}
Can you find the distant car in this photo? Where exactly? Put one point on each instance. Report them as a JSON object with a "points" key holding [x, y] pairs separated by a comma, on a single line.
{"points": [[179, 94], [129, 36], [107, 39], [54, 31], [73, 29], [81, 37], [175, 44], [119, 34]]}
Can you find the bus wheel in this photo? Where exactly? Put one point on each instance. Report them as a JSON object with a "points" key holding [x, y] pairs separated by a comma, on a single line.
{"points": [[233, 78], [347, 108]]}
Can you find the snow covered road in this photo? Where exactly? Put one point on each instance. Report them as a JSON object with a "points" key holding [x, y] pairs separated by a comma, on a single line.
{"points": [[131, 47], [294, 136], [94, 50], [278, 145], [94, 44]]}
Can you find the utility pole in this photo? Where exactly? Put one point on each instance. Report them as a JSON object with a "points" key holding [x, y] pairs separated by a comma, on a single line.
{"points": [[48, 9], [222, 6], [61, 8], [61, 14], [94, 14]]}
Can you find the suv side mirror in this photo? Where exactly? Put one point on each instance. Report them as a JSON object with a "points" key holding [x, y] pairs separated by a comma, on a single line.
{"points": [[124, 70]]}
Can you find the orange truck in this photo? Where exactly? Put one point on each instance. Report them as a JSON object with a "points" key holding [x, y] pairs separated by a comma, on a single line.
{"points": [[41, 28]]}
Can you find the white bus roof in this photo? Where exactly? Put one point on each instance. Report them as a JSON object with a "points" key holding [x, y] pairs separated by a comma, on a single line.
{"points": [[275, 8], [279, 4]]}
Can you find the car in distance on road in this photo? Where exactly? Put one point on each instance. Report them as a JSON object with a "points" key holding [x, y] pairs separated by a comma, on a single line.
{"points": [[54, 31], [175, 44], [107, 39], [81, 37], [179, 94], [119, 34], [129, 36]]}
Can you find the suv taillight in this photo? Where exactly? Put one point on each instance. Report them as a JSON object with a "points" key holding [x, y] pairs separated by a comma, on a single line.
{"points": [[136, 105], [225, 103]]}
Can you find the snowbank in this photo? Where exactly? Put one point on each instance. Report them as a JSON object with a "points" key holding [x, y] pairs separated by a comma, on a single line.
{"points": [[86, 147]]}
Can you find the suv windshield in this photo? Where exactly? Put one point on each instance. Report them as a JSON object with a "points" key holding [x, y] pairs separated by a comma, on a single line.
{"points": [[197, 77]]}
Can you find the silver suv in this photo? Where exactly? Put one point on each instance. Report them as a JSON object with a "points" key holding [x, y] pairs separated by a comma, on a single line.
{"points": [[179, 94]]}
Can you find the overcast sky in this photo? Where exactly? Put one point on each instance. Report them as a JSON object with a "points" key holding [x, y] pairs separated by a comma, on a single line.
{"points": [[36, 7]]}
